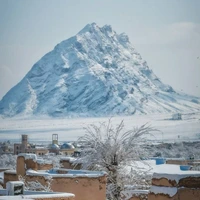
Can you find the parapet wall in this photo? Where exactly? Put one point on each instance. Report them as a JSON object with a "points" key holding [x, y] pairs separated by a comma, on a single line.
{"points": [[29, 161], [45, 166], [182, 162], [10, 175], [83, 186], [177, 162], [23, 164], [185, 186]]}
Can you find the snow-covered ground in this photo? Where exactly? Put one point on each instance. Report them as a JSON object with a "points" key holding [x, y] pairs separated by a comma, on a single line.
{"points": [[41, 129]]}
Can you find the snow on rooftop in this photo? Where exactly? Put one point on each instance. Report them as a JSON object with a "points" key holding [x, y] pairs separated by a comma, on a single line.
{"points": [[35, 194], [39, 147], [172, 172], [15, 197], [43, 162], [150, 165], [15, 182], [11, 171], [171, 191], [49, 195], [70, 159], [169, 171], [67, 173], [176, 176], [139, 191], [73, 160], [28, 156]]}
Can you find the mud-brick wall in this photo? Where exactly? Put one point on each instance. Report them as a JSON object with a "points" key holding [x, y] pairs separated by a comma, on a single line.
{"points": [[84, 188], [52, 198], [182, 194], [10, 176], [187, 188], [189, 194], [68, 165], [55, 198], [24, 164], [182, 162], [177, 162], [44, 166]]}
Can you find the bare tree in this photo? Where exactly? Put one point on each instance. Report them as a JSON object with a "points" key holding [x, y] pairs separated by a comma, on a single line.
{"points": [[8, 161], [111, 148]]}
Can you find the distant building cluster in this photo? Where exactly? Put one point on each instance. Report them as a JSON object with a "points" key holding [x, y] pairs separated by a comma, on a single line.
{"points": [[66, 148], [26, 147]]}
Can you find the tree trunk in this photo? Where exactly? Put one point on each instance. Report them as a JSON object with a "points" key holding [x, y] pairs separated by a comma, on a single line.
{"points": [[116, 187]]}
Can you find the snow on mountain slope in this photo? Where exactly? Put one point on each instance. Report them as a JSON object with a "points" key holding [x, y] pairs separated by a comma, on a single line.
{"points": [[95, 73]]}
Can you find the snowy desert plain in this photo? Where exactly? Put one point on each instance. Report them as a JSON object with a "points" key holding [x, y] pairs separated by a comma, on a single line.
{"points": [[95, 73], [40, 130]]}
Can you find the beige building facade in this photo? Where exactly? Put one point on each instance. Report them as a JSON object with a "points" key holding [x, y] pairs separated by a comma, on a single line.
{"points": [[25, 147], [85, 185]]}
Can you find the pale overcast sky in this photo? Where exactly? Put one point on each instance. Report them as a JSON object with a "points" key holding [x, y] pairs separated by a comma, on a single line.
{"points": [[165, 32]]}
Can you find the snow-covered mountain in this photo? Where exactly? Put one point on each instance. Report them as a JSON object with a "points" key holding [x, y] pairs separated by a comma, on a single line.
{"points": [[95, 73]]}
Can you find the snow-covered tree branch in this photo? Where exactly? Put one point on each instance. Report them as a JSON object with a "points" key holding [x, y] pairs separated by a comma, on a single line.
{"points": [[36, 185], [111, 148], [8, 161]]}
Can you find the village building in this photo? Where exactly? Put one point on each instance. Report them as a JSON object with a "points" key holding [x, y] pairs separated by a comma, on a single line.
{"points": [[65, 149], [84, 184], [25, 147], [170, 182]]}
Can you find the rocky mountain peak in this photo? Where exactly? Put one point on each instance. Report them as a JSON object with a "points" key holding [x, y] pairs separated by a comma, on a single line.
{"points": [[94, 73]]}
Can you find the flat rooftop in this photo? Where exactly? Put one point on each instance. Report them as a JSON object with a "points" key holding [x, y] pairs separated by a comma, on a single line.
{"points": [[60, 172]]}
